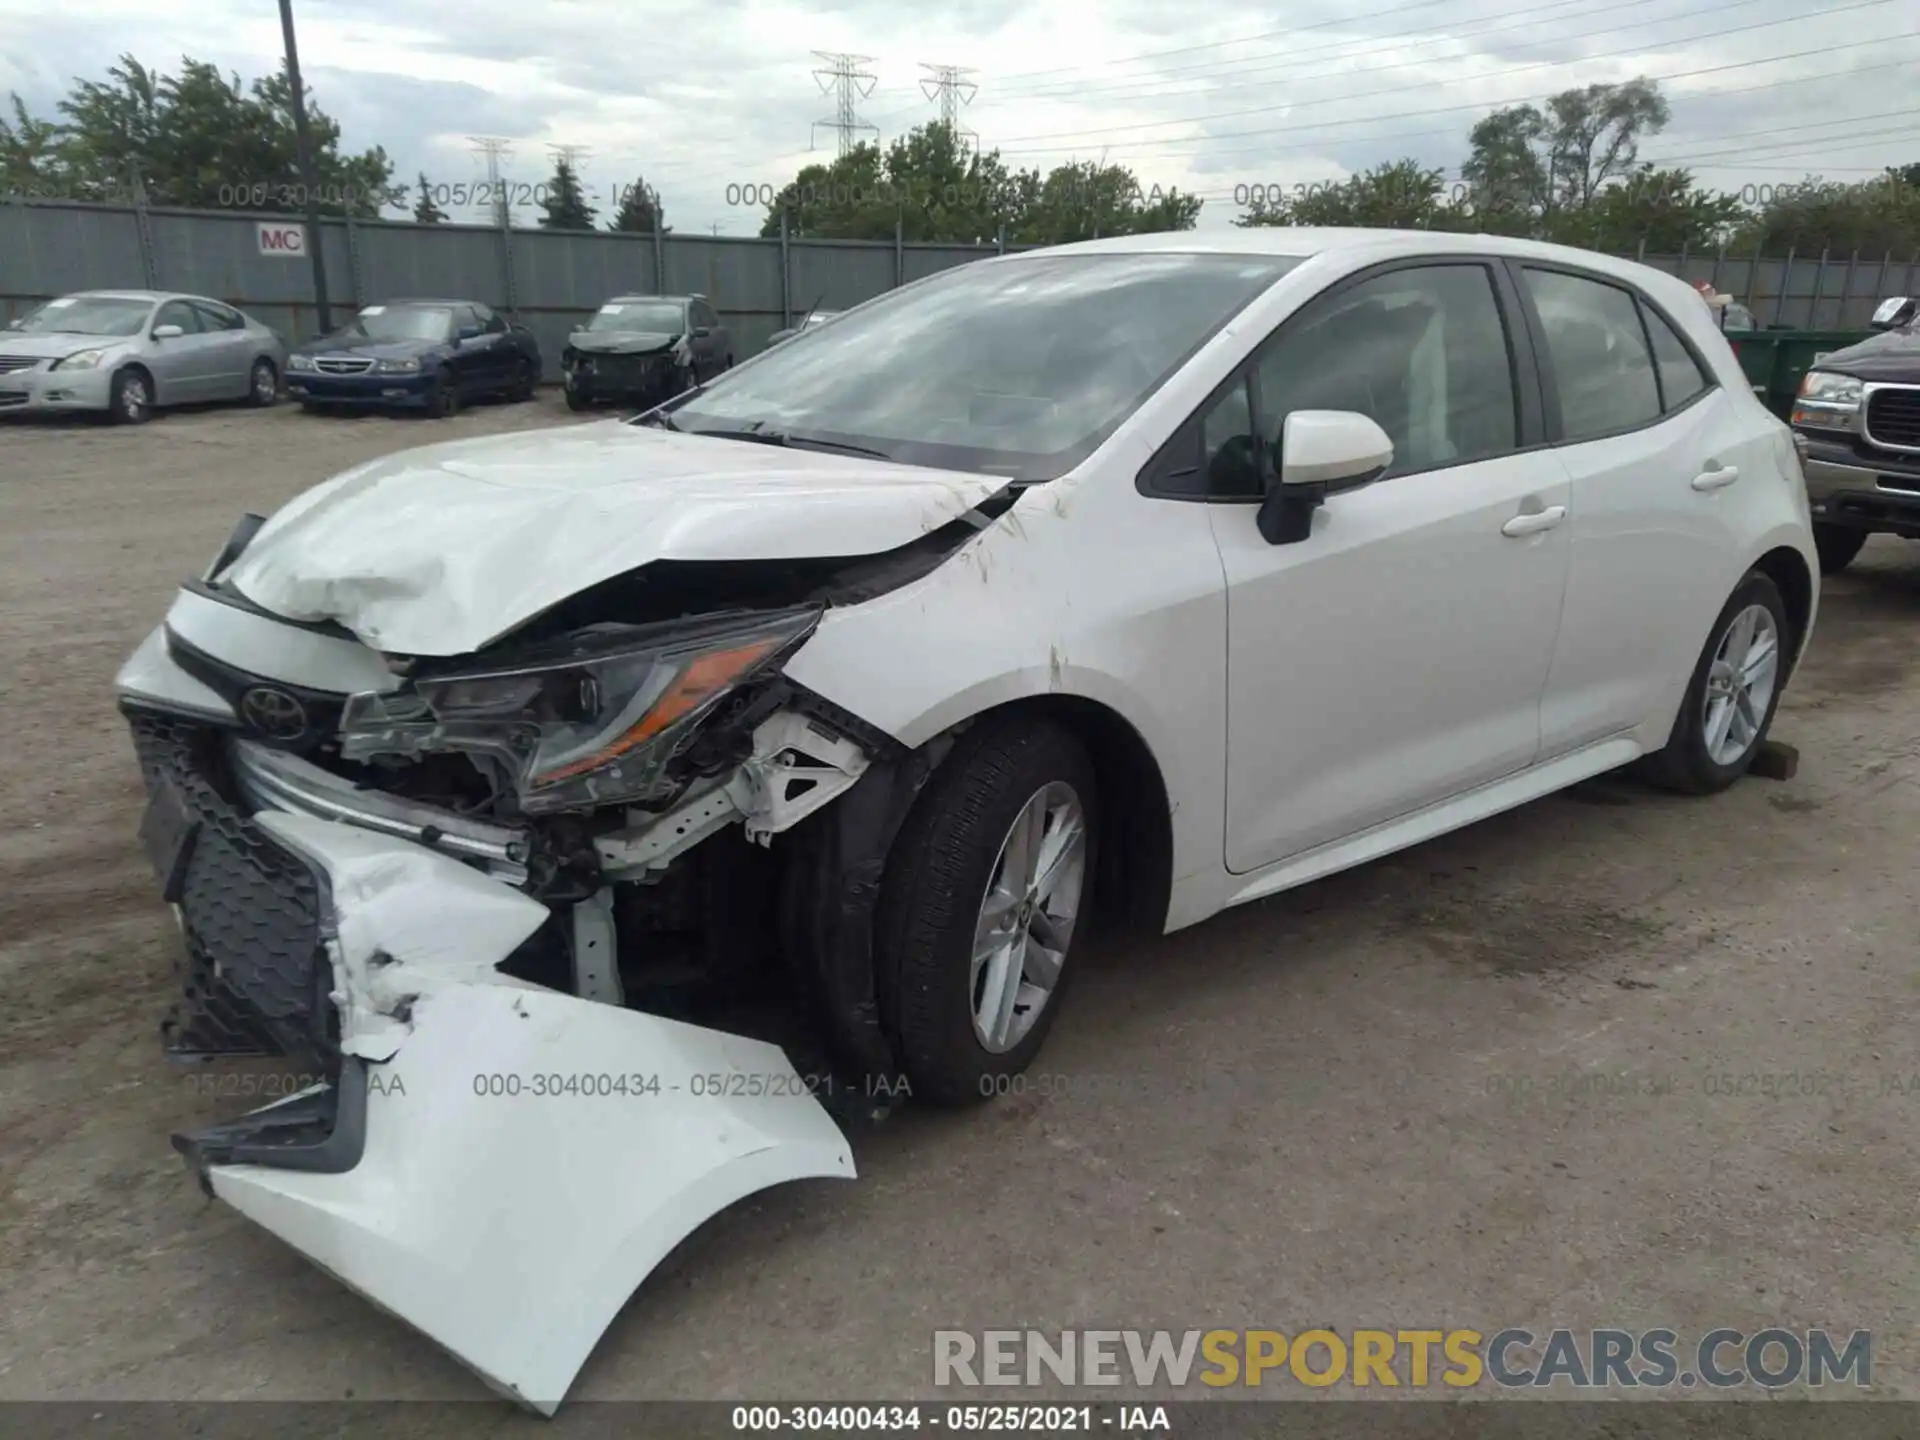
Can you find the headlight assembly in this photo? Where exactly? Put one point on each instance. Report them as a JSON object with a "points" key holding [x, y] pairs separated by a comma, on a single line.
{"points": [[82, 360], [1827, 401], [581, 723], [299, 362], [397, 367]]}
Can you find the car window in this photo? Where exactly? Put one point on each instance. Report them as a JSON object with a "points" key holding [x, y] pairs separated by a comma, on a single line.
{"points": [[178, 312], [1680, 375], [217, 317], [1422, 351], [703, 314], [1601, 364]]}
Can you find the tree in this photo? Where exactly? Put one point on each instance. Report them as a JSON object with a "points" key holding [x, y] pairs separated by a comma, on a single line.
{"points": [[1397, 195], [29, 153], [1879, 217], [936, 188], [1661, 209], [565, 204], [640, 210], [425, 212], [1527, 166], [203, 139]]}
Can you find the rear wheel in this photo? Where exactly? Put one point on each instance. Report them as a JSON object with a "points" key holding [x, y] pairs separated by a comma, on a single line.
{"points": [[525, 378], [981, 904], [131, 400], [578, 399], [1837, 544], [1731, 699]]}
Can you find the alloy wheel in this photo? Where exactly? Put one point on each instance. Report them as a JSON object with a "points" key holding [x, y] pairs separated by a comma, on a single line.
{"points": [[1026, 919], [1740, 684]]}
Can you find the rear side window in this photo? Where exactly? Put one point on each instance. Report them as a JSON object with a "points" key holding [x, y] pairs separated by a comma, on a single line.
{"points": [[1680, 375], [218, 317], [1601, 363]]}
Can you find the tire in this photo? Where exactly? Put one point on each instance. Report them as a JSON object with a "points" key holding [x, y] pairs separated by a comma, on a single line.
{"points": [[130, 401], [263, 384], [525, 378], [578, 399], [443, 400], [1837, 544], [1688, 764], [935, 891]]}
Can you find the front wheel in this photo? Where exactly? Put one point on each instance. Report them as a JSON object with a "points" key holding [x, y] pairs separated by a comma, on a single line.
{"points": [[983, 897], [263, 385], [1837, 544], [1730, 701], [131, 400], [443, 400], [578, 399], [525, 378]]}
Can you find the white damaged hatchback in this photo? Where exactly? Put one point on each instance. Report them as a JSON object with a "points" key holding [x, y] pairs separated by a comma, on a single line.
{"points": [[616, 814]]}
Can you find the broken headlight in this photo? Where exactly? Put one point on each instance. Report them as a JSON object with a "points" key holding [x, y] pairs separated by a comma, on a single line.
{"points": [[587, 721]]}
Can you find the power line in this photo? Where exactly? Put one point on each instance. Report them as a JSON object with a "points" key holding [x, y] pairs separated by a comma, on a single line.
{"points": [[495, 150], [1881, 40], [950, 85], [843, 79], [1505, 70]]}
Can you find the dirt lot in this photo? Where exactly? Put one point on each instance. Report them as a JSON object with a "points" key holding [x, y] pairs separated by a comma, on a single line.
{"points": [[1337, 1107]]}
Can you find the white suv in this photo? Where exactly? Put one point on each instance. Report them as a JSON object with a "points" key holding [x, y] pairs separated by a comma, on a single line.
{"points": [[1128, 580]]}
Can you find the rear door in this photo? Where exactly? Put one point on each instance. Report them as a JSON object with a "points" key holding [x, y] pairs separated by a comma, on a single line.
{"points": [[1655, 449], [229, 349]]}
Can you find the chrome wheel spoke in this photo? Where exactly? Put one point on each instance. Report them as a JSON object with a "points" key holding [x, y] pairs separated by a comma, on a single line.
{"points": [[1740, 685], [1043, 964], [1719, 721], [1001, 993], [1762, 660], [1060, 850], [1026, 919]]}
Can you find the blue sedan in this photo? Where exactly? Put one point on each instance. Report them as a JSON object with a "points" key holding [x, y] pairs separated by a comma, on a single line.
{"points": [[432, 355]]}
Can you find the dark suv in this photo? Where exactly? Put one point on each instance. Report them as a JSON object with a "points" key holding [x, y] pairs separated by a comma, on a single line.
{"points": [[1858, 416], [645, 349]]}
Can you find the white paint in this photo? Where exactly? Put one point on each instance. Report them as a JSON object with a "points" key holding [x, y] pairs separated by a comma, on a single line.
{"points": [[61, 303], [150, 675], [1320, 446], [438, 550], [263, 646], [289, 242], [373, 309], [511, 1229]]}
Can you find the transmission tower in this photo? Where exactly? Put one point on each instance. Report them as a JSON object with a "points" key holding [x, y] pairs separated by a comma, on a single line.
{"points": [[846, 79], [953, 89], [495, 150]]}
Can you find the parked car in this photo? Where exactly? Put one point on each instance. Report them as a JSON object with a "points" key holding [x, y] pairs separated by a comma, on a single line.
{"points": [[125, 353], [431, 355], [1858, 416], [639, 350], [1117, 582], [810, 321]]}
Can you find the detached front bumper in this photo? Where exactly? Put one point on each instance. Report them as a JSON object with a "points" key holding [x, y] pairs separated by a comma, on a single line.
{"points": [[25, 392], [497, 1163]]}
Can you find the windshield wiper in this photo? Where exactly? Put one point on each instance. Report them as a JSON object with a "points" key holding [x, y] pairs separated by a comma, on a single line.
{"points": [[795, 442]]}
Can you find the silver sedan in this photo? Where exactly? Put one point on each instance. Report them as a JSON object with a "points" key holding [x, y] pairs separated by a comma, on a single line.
{"points": [[128, 352]]}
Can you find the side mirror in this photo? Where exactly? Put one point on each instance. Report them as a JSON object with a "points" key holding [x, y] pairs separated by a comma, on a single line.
{"points": [[167, 332], [468, 332], [701, 332], [1322, 453], [1894, 312]]}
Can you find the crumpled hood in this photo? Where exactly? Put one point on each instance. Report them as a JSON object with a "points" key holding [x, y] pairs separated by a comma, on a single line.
{"points": [[620, 342], [441, 550], [57, 345]]}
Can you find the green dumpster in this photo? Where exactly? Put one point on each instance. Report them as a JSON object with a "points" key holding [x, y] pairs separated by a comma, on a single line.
{"points": [[1775, 360]]}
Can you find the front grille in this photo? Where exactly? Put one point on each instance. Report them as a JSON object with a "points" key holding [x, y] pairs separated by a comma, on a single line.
{"points": [[13, 397], [1893, 418], [343, 367], [255, 974], [10, 363]]}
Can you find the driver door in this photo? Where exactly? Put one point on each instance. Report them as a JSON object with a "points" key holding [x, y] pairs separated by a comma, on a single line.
{"points": [[1396, 656], [184, 366]]}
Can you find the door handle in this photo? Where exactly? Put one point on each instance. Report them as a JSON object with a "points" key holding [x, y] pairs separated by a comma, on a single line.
{"points": [[1532, 522], [1716, 477]]}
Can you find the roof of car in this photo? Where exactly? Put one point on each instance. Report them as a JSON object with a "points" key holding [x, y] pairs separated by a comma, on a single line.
{"points": [[150, 296], [664, 299], [423, 300]]}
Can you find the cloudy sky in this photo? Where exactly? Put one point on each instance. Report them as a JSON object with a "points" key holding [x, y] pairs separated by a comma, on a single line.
{"points": [[712, 100]]}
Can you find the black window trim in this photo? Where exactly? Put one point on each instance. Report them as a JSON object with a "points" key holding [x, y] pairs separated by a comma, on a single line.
{"points": [[1550, 383], [1522, 358], [224, 316], [198, 328], [1708, 380]]}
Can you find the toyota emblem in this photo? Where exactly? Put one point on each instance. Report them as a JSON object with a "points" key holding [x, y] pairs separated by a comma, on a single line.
{"points": [[274, 713]]}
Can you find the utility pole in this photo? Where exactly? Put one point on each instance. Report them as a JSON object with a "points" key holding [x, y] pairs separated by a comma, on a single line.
{"points": [[309, 181], [495, 150], [846, 79], [953, 89]]}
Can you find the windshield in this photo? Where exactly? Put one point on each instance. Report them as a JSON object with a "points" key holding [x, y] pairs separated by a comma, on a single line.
{"points": [[658, 316], [404, 322], [1018, 367], [88, 315]]}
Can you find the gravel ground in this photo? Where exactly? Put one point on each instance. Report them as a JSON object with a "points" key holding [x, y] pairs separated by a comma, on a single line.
{"points": [[1337, 1107]]}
